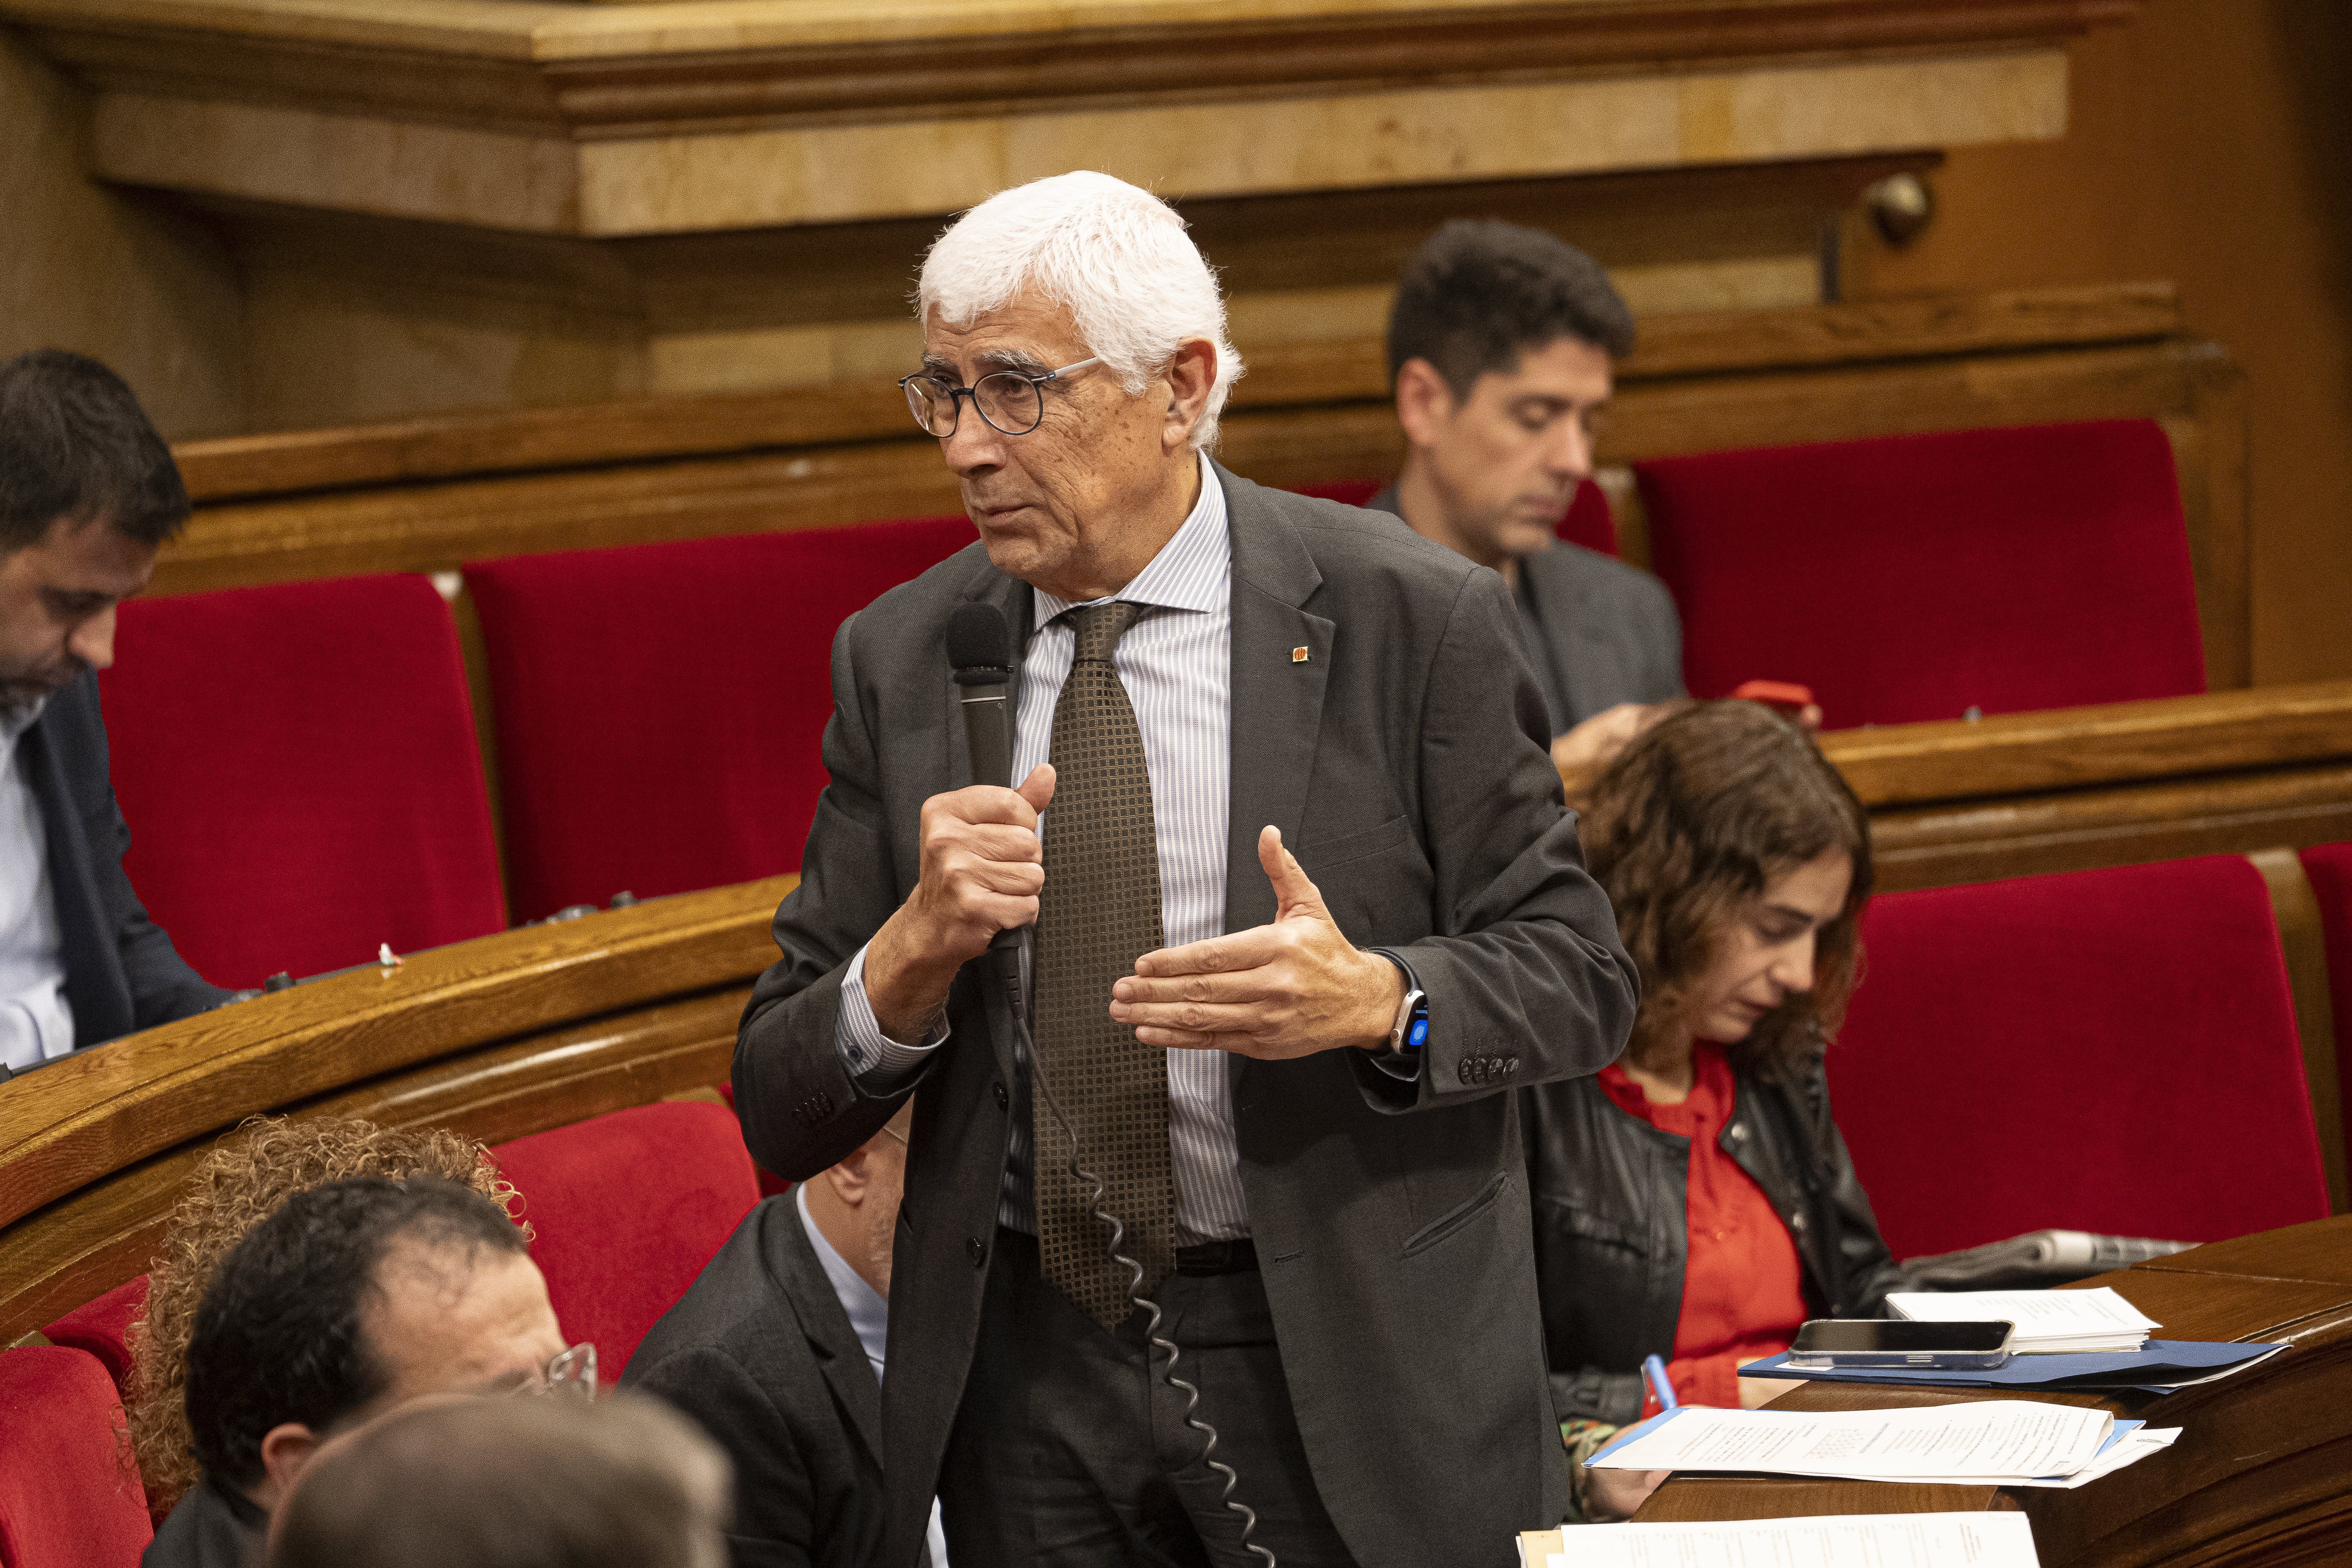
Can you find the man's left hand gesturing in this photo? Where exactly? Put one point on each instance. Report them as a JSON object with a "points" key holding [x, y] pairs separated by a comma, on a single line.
{"points": [[1288, 989]]}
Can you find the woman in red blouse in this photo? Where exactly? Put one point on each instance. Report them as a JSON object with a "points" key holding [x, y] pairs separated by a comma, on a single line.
{"points": [[1695, 1201]]}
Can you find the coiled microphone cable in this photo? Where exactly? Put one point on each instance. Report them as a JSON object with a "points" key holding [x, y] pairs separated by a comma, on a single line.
{"points": [[1096, 1189]]}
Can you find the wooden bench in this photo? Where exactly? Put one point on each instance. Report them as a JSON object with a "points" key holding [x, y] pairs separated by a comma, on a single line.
{"points": [[496, 1037], [2234, 770]]}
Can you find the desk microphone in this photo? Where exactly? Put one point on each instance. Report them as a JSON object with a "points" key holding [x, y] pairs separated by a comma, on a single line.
{"points": [[979, 649]]}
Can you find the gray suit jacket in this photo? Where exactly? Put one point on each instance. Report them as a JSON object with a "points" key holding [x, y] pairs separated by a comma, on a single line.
{"points": [[761, 1354], [1611, 631], [1405, 760]]}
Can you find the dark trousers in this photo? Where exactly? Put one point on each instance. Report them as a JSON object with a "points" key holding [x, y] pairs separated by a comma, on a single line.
{"points": [[1070, 1449]]}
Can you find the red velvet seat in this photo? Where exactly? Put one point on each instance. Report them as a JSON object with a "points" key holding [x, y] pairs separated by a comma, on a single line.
{"points": [[659, 708], [626, 1209], [103, 1328], [2329, 867], [300, 774], [1589, 522], [2108, 1051], [69, 1497], [1915, 576]]}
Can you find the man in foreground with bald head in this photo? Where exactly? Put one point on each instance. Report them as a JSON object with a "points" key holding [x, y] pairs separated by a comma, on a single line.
{"points": [[1297, 903]]}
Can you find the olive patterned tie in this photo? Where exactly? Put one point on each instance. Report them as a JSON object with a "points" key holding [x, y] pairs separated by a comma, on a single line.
{"points": [[1098, 913]]}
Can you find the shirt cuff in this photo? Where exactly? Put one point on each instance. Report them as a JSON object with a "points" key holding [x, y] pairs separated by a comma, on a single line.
{"points": [[881, 1065]]}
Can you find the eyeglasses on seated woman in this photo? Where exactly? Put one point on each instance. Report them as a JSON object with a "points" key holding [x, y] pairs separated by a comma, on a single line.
{"points": [[1695, 1201]]}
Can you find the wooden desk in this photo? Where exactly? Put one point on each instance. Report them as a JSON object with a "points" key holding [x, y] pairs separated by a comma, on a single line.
{"points": [[2262, 1469], [496, 1037]]}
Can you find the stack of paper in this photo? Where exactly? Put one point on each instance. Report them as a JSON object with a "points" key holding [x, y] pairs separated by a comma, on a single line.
{"points": [[2048, 1322], [1995, 1442], [1849, 1541]]}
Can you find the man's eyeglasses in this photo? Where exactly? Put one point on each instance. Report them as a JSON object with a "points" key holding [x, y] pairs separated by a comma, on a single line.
{"points": [[570, 1375], [1012, 401]]}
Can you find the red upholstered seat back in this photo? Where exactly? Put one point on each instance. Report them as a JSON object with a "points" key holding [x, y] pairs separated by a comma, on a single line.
{"points": [[626, 1209], [300, 774], [2103, 1050], [659, 708], [103, 1328], [1589, 521], [69, 1497], [2329, 867], [1915, 576]]}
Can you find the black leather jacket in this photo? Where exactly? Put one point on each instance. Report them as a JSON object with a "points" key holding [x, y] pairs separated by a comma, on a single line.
{"points": [[1612, 1227]]}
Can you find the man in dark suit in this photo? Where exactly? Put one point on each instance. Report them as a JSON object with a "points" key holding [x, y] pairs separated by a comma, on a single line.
{"points": [[88, 492], [1500, 347], [1314, 1166], [777, 1350]]}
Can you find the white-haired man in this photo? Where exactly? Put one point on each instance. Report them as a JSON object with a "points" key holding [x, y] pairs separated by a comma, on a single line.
{"points": [[1286, 1071]]}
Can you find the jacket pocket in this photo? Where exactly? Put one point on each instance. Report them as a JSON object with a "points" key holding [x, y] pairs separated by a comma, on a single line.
{"points": [[1445, 1225], [1322, 856]]}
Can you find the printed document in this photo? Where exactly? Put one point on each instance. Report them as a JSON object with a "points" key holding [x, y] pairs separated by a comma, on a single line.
{"points": [[1988, 1442], [1853, 1541]]}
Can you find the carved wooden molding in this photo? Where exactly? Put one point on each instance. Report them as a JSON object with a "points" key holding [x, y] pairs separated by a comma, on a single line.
{"points": [[635, 70]]}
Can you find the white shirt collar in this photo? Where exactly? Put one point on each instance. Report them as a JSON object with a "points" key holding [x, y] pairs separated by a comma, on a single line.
{"points": [[15, 722], [868, 1308], [1193, 570]]}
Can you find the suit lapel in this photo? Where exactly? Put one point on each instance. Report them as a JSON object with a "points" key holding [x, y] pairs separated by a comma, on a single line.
{"points": [[1584, 661], [825, 1324], [96, 988], [1278, 696]]}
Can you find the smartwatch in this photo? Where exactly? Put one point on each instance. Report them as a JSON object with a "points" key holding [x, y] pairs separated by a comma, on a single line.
{"points": [[1409, 1031]]}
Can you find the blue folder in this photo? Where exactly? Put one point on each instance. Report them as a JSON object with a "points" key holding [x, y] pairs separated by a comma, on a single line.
{"points": [[2159, 1368]]}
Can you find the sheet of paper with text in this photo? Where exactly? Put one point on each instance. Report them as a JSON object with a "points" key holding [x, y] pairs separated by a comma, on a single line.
{"points": [[1853, 1541]]}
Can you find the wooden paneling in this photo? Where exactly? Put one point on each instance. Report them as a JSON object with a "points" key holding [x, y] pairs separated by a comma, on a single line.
{"points": [[2068, 748], [604, 76], [2127, 825], [2256, 1476], [2304, 944], [497, 1037]]}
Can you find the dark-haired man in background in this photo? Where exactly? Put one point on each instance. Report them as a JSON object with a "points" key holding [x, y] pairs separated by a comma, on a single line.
{"points": [[88, 493], [1501, 340], [351, 1299]]}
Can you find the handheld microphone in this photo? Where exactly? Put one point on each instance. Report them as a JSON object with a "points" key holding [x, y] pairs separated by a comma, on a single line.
{"points": [[979, 649]]}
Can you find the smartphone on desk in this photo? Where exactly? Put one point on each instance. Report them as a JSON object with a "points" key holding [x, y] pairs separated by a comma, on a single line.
{"points": [[1840, 1344]]}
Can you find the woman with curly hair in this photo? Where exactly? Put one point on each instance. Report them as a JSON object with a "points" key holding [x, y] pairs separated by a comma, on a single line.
{"points": [[234, 1188], [1695, 1201]]}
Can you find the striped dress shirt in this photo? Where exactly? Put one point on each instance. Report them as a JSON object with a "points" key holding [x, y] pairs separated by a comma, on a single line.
{"points": [[1176, 665]]}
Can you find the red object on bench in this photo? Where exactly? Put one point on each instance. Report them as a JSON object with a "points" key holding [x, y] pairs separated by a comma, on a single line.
{"points": [[298, 768], [69, 1497], [659, 707], [1913, 577], [1589, 521], [2329, 867], [625, 1210], [2110, 1051], [103, 1328]]}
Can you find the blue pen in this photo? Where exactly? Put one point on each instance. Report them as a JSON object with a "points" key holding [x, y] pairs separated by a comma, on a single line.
{"points": [[1655, 1369]]}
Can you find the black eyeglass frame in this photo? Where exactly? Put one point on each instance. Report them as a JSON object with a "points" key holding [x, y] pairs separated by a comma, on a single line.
{"points": [[956, 395]]}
